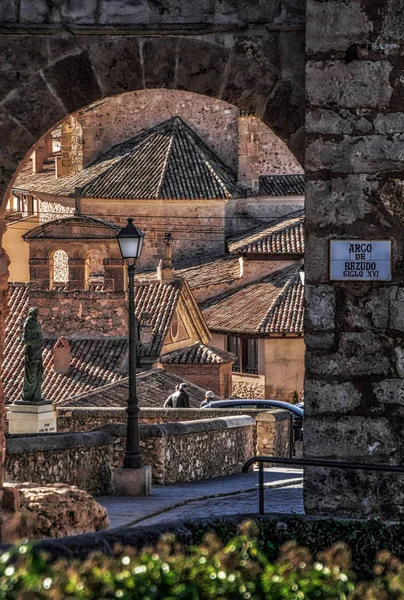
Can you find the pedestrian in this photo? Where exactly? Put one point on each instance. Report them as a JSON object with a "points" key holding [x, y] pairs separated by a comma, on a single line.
{"points": [[179, 399], [209, 396]]}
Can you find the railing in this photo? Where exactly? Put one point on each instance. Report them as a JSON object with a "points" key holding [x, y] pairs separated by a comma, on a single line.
{"points": [[309, 462]]}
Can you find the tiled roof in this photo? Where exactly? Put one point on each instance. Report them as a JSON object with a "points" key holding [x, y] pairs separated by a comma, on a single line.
{"points": [[281, 185], [203, 272], [94, 361], [273, 305], [152, 388], [167, 161], [284, 237], [159, 300], [198, 354]]}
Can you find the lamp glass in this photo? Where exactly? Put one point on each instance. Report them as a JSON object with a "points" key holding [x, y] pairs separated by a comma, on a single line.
{"points": [[130, 240], [301, 275]]}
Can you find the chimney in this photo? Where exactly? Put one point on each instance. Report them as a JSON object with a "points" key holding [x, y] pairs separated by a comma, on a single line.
{"points": [[165, 270], [61, 356]]}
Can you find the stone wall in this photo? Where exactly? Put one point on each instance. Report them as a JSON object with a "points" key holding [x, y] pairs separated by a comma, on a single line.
{"points": [[81, 313], [261, 152], [247, 386], [354, 386], [176, 452]]}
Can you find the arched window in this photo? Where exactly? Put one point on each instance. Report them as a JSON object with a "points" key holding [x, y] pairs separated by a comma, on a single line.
{"points": [[95, 275], [59, 269]]}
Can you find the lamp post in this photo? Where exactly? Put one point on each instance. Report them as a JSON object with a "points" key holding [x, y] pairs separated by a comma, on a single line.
{"points": [[137, 482]]}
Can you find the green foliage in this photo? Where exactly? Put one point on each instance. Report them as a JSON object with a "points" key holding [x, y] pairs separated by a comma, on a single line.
{"points": [[212, 570], [364, 538]]}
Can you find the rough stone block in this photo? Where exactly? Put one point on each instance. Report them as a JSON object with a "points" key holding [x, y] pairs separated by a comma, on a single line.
{"points": [[159, 61], [249, 84], [38, 12], [118, 65], [74, 80], [34, 106], [201, 67], [124, 12], [316, 258], [340, 200], [389, 123], [334, 25], [285, 109], [368, 154], [348, 437], [320, 307], [397, 311], [334, 122], [334, 492], [330, 398], [393, 24], [318, 341], [390, 391], [350, 85], [359, 354]]}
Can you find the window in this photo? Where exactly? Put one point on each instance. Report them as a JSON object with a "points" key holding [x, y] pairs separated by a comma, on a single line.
{"points": [[233, 346], [246, 349], [59, 266]]}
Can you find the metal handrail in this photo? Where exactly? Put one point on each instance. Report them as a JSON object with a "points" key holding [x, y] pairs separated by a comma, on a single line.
{"points": [[309, 462]]}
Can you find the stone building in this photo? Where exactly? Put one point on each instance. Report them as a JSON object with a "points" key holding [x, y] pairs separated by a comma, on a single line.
{"points": [[262, 324]]}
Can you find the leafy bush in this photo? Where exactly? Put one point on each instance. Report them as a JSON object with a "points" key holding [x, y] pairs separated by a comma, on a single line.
{"points": [[365, 539], [210, 571]]}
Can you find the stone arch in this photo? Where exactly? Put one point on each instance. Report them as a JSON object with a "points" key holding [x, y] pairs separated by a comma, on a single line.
{"points": [[92, 70], [59, 274]]}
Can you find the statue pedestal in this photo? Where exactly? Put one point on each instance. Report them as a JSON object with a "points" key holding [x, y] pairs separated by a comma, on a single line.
{"points": [[24, 417]]}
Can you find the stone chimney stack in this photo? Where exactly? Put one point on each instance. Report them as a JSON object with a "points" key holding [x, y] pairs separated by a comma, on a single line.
{"points": [[165, 270]]}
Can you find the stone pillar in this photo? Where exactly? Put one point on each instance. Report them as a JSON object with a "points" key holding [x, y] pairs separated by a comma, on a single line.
{"points": [[354, 388]]}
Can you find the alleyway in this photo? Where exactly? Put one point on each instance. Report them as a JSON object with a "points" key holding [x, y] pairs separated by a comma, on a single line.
{"points": [[219, 496]]}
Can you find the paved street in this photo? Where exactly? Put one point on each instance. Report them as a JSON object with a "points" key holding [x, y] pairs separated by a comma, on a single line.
{"points": [[222, 495]]}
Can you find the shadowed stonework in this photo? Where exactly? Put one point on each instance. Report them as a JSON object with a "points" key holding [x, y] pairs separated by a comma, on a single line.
{"points": [[354, 332]]}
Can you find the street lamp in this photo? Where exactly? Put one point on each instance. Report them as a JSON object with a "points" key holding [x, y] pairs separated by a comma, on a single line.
{"points": [[130, 240]]}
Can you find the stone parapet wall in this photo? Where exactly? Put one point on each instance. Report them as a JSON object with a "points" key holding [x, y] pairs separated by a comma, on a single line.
{"points": [[176, 452], [273, 433]]}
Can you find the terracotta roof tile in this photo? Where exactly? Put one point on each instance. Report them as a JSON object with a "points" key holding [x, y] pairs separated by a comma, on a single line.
{"points": [[198, 354], [167, 161], [153, 388], [283, 237], [281, 185], [273, 305], [95, 362], [159, 300]]}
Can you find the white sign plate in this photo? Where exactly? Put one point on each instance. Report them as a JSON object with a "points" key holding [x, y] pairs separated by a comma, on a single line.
{"points": [[360, 260]]}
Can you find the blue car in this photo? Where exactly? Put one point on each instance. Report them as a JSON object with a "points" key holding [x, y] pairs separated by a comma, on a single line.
{"points": [[242, 403]]}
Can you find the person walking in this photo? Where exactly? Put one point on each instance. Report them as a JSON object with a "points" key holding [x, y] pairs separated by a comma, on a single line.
{"points": [[209, 396], [179, 399]]}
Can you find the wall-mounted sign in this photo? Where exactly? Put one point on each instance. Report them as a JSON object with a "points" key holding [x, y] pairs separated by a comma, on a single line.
{"points": [[360, 260]]}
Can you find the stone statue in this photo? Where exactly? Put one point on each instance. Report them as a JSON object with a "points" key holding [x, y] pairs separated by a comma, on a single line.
{"points": [[33, 374]]}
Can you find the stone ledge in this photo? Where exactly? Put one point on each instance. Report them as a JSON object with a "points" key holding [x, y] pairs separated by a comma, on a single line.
{"points": [[59, 441], [274, 416]]}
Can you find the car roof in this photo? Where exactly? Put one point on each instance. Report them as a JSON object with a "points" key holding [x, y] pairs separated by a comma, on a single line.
{"points": [[246, 402]]}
